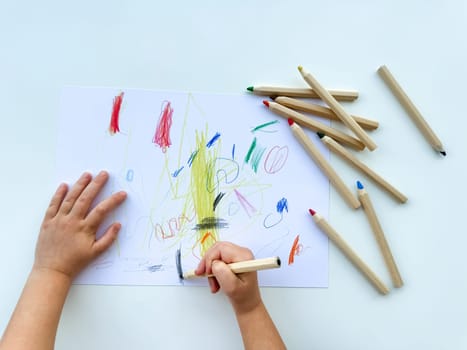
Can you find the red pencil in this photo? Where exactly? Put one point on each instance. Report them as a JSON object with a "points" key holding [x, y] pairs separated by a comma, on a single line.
{"points": [[347, 250]]}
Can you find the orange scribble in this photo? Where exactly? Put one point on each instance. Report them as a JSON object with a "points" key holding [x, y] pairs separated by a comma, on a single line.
{"points": [[114, 118], [162, 134], [295, 250]]}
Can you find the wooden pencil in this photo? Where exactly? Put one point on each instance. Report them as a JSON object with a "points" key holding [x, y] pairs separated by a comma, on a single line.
{"points": [[273, 91], [379, 235], [409, 106], [354, 161], [323, 164], [349, 252], [314, 125], [244, 266], [323, 111], [337, 108]]}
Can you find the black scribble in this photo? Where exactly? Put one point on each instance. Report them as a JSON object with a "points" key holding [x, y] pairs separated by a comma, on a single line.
{"points": [[217, 200], [211, 222]]}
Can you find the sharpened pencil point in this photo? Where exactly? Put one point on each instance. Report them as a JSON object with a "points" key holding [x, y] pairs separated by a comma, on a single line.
{"points": [[290, 121], [250, 88], [359, 185], [320, 134], [443, 153], [312, 212], [300, 68], [266, 103]]}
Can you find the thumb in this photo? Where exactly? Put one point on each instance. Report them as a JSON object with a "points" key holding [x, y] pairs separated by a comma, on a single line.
{"points": [[103, 243], [224, 275]]}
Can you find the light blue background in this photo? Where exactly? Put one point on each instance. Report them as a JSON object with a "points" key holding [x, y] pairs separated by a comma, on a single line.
{"points": [[224, 47]]}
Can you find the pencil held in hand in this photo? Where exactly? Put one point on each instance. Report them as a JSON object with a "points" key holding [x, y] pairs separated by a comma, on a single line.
{"points": [[409, 106], [240, 267], [348, 252]]}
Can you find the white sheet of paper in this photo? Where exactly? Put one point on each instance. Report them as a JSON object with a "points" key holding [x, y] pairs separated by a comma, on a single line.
{"points": [[267, 186]]}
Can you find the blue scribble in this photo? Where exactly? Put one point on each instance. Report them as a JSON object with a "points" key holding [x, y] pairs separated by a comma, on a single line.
{"points": [[176, 172], [233, 151], [214, 139], [129, 175], [154, 268], [281, 205]]}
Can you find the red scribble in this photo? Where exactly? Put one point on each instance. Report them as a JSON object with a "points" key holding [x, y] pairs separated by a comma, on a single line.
{"points": [[162, 134], [295, 250], [114, 127], [172, 226]]}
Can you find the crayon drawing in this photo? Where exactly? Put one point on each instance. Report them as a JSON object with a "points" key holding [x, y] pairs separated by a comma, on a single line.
{"points": [[198, 168]]}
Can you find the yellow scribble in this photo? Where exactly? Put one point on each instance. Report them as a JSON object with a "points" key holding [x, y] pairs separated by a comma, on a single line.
{"points": [[202, 198]]}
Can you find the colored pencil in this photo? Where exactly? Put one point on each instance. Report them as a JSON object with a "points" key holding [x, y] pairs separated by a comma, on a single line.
{"points": [[322, 111], [272, 91], [348, 252], [314, 125], [243, 266], [354, 161], [379, 235], [409, 106], [323, 164], [337, 108]]}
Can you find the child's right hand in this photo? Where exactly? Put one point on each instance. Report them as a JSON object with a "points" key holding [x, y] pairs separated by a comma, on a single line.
{"points": [[242, 289]]}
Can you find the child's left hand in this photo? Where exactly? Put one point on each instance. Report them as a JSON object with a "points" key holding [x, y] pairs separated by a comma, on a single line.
{"points": [[67, 239]]}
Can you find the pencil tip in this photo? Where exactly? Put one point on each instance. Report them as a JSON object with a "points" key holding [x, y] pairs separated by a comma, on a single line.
{"points": [[266, 103], [300, 68], [359, 185], [250, 88], [443, 153], [312, 212], [320, 134], [290, 121]]}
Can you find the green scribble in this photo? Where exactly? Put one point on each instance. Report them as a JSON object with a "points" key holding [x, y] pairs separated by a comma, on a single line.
{"points": [[250, 151], [256, 158], [264, 125]]}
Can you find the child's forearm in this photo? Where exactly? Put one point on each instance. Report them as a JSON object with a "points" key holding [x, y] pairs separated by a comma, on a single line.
{"points": [[258, 329], [34, 322]]}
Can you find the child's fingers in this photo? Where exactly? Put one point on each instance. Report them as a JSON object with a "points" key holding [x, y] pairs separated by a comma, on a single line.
{"points": [[225, 277], [103, 243], [83, 203], [97, 215], [74, 193], [213, 284], [201, 267], [226, 252], [56, 201]]}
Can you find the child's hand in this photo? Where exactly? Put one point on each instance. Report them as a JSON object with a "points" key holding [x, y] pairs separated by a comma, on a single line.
{"points": [[242, 289], [67, 239]]}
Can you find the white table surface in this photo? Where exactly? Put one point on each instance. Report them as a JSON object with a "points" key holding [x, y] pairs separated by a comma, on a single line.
{"points": [[216, 46]]}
